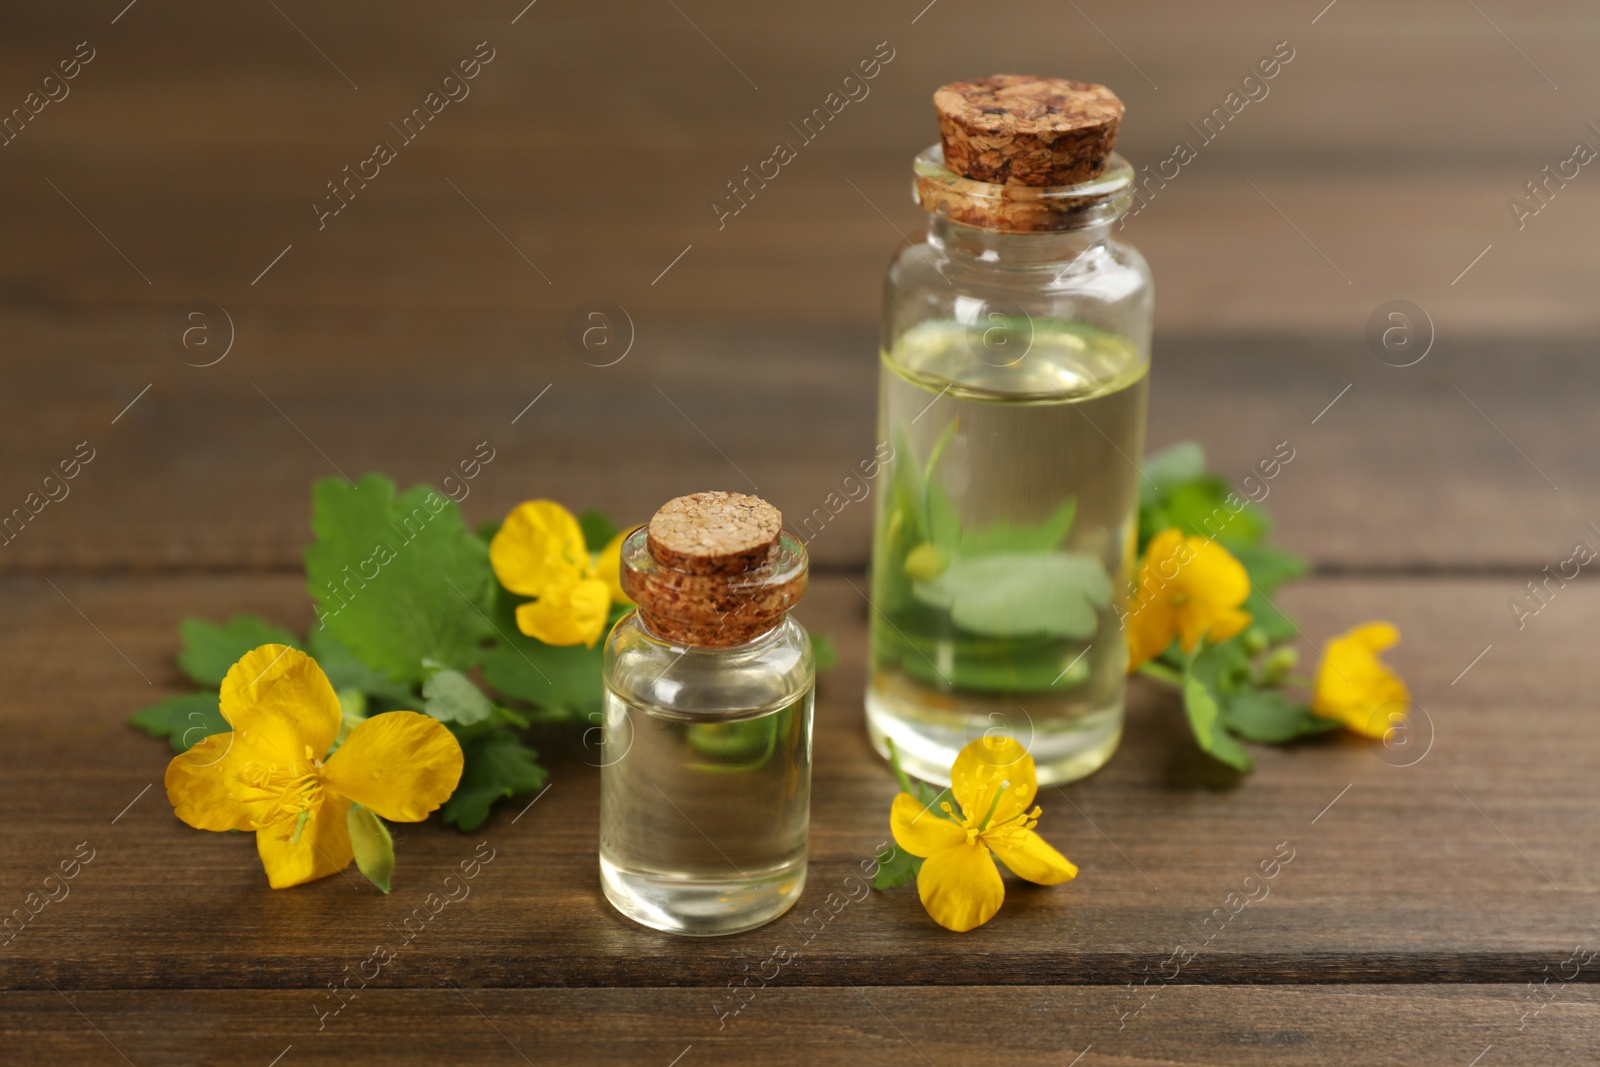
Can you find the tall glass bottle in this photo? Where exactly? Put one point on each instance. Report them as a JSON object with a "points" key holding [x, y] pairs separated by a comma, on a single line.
{"points": [[705, 781], [1015, 354]]}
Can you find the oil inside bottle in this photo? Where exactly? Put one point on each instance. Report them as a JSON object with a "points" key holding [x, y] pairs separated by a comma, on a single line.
{"points": [[1004, 543], [705, 808]]}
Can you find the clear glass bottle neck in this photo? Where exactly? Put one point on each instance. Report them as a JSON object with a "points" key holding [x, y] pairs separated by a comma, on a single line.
{"points": [[1014, 249]]}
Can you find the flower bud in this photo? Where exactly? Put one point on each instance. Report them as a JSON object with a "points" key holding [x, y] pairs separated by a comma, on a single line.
{"points": [[1279, 664]]}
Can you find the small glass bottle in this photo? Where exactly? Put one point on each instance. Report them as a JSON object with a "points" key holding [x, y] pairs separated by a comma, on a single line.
{"points": [[1016, 345], [705, 782]]}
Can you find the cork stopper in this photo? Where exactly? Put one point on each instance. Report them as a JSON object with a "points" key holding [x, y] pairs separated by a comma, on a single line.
{"points": [[714, 533], [1012, 129], [713, 570]]}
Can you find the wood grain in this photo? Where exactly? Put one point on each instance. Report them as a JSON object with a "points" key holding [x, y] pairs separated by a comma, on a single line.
{"points": [[197, 142], [1468, 460], [1473, 864], [1284, 1026], [429, 314]]}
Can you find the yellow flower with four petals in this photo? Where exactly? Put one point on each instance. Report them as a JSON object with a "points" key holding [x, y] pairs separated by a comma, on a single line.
{"points": [[273, 774], [1189, 588], [1356, 687], [993, 781], [539, 552]]}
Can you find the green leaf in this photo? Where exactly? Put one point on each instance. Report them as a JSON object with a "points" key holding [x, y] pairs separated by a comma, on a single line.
{"points": [[1171, 467], [352, 710], [399, 579], [1016, 594], [1273, 621], [935, 799], [1270, 567], [598, 530], [1003, 537], [551, 677], [735, 746], [1203, 699], [184, 720], [1201, 508], [899, 869], [450, 696], [824, 651], [497, 765], [504, 716], [344, 671], [1266, 715], [373, 846], [209, 650], [944, 523]]}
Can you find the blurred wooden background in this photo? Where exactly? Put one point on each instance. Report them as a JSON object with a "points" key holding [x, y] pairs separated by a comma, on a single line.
{"points": [[181, 169], [430, 311]]}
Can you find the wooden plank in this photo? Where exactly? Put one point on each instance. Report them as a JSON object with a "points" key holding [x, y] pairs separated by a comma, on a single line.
{"points": [[1472, 864], [199, 149], [211, 468], [410, 329], [1278, 1025]]}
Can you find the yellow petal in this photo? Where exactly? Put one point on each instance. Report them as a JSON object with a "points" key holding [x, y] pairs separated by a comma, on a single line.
{"points": [[920, 831], [570, 614], [1210, 587], [1198, 620], [1356, 687], [539, 545], [960, 887], [1030, 856], [400, 764], [281, 707], [324, 846], [197, 786], [1151, 627], [1150, 620], [1372, 636], [1228, 623], [1159, 567], [1213, 576], [608, 567], [990, 766]]}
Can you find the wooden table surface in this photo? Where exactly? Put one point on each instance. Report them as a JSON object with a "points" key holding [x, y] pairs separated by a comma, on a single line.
{"points": [[1435, 893]]}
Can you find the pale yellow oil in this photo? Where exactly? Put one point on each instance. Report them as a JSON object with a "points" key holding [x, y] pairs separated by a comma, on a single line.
{"points": [[1006, 530]]}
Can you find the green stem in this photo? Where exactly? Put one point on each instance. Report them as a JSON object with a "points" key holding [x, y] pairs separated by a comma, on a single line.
{"points": [[1161, 672], [894, 761]]}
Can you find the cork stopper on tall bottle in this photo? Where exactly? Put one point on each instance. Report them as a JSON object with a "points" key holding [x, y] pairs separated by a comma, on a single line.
{"points": [[1013, 129], [713, 569]]}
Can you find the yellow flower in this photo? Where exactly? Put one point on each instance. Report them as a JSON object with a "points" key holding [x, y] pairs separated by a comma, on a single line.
{"points": [[1356, 687], [539, 552], [273, 775], [993, 782], [1189, 588]]}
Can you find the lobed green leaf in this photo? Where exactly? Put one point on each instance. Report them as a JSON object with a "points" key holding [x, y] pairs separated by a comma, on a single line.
{"points": [[210, 650], [497, 765], [184, 720], [399, 579]]}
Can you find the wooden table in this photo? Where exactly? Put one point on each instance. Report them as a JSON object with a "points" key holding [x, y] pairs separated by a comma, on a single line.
{"points": [[1435, 893]]}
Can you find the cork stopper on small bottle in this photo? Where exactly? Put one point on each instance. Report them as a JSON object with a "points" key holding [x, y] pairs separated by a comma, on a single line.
{"points": [[714, 533], [713, 569], [1012, 129]]}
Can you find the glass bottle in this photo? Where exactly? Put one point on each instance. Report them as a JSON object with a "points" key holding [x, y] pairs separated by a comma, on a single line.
{"points": [[705, 781], [1015, 354]]}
